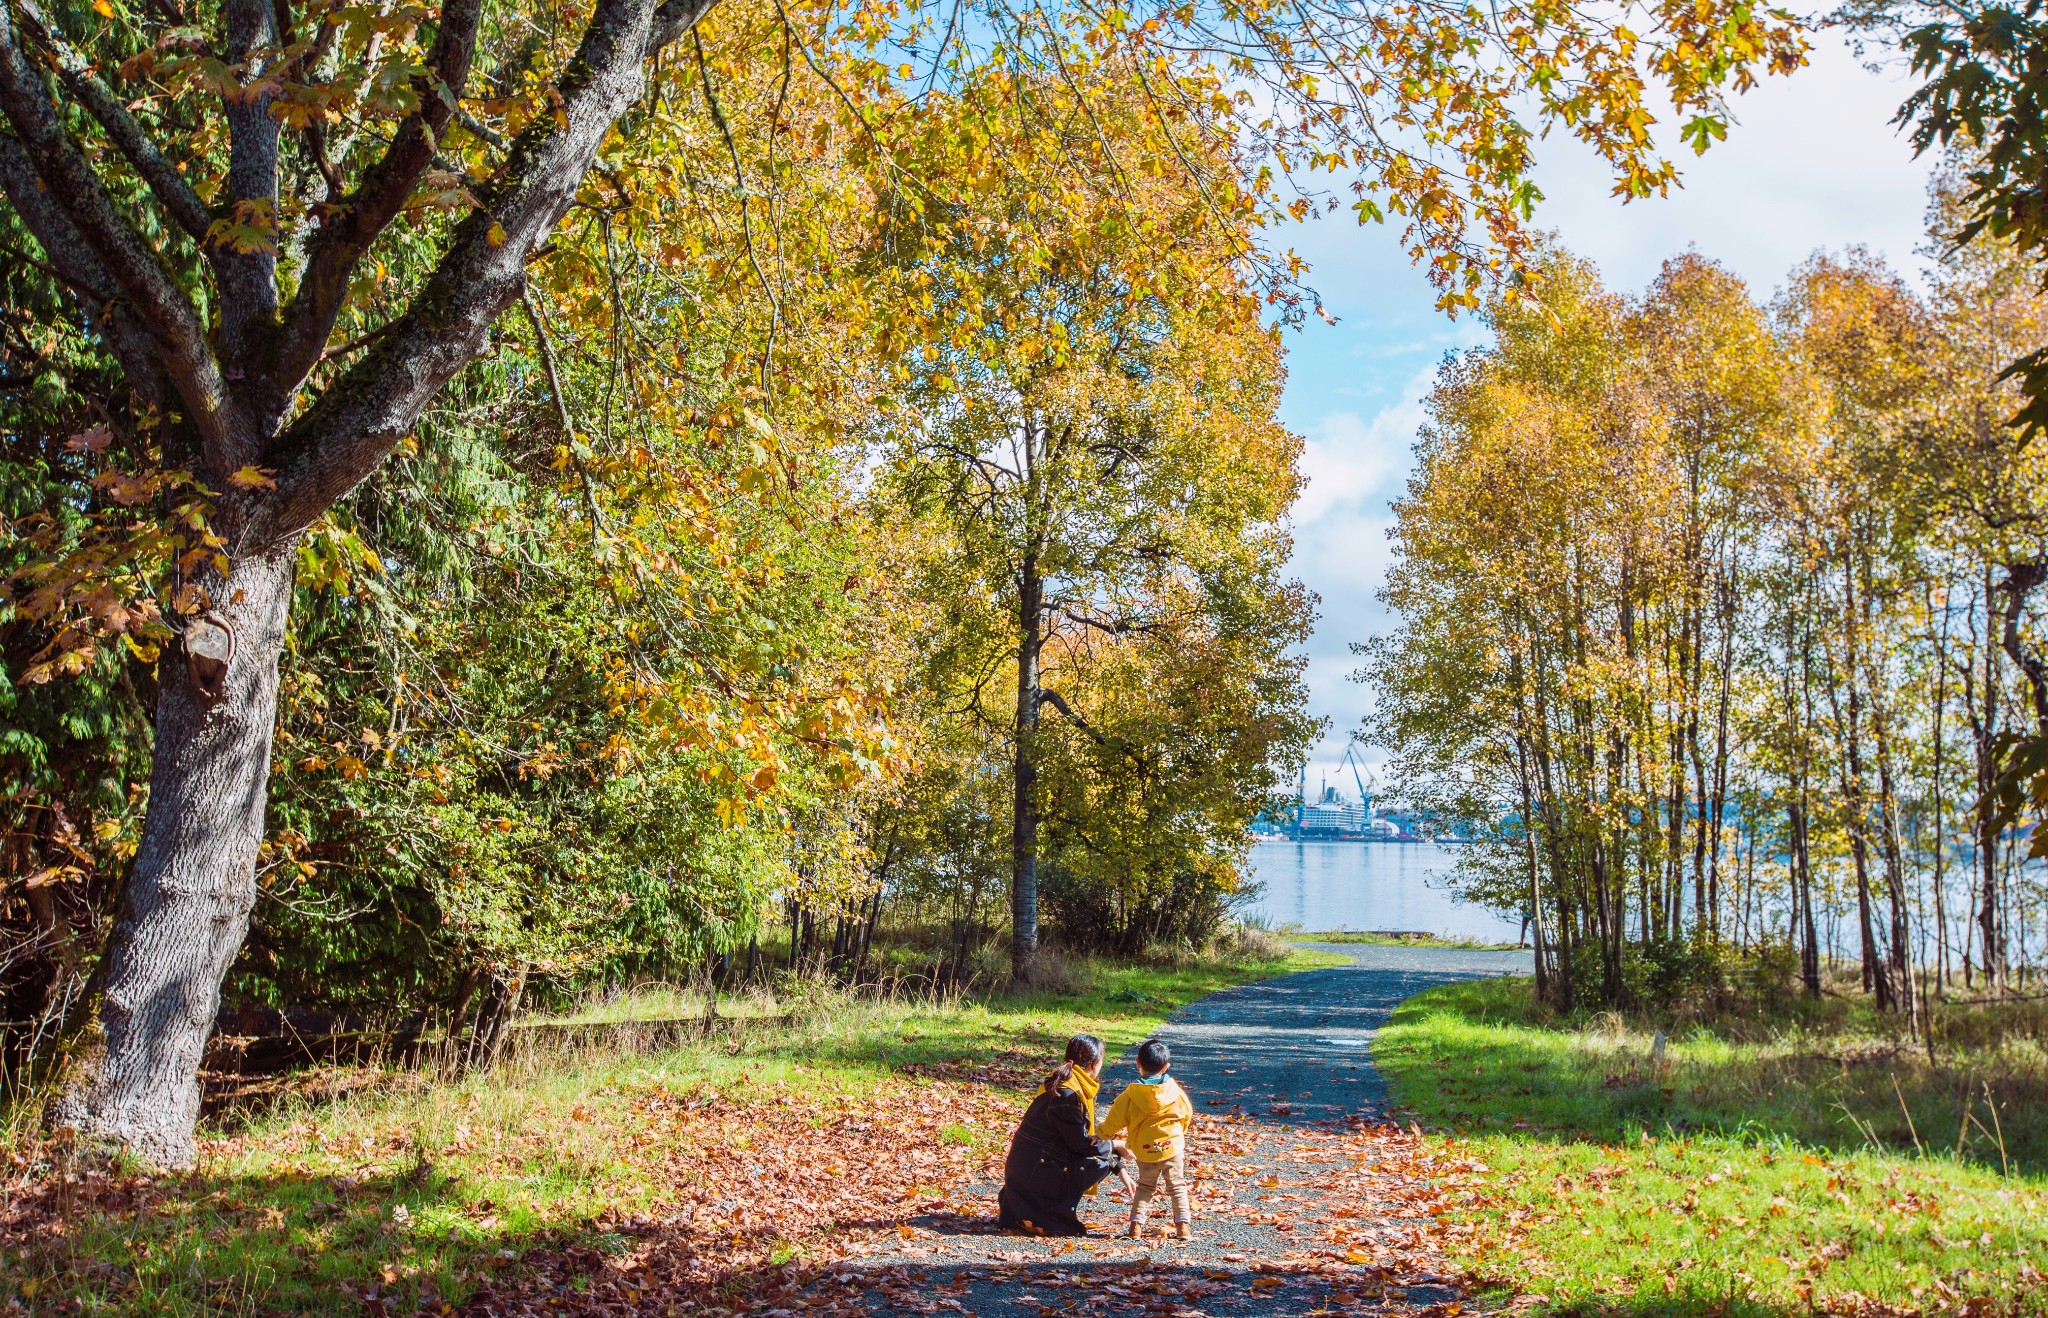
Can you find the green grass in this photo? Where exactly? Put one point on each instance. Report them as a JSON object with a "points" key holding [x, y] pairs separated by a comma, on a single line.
{"points": [[1754, 1172], [397, 1181]]}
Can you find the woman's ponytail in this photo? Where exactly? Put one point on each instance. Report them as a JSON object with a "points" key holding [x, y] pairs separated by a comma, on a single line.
{"points": [[1083, 1050]]}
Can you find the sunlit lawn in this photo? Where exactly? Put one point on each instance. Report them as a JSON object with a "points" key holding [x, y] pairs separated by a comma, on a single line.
{"points": [[1762, 1175]]}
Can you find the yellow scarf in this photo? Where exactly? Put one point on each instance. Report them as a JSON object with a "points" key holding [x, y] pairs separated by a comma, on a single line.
{"points": [[1087, 1086]]}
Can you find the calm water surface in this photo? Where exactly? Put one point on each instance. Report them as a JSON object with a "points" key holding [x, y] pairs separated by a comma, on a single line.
{"points": [[1369, 885]]}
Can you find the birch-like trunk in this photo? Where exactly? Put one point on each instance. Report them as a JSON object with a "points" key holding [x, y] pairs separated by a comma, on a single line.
{"points": [[1024, 814]]}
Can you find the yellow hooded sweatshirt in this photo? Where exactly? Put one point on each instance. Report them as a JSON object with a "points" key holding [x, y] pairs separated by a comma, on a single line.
{"points": [[1152, 1118], [1087, 1087]]}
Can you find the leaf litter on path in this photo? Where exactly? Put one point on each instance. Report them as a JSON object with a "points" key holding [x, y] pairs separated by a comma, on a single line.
{"points": [[789, 1202]]}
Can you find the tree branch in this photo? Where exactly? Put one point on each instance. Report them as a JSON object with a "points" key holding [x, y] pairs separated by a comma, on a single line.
{"points": [[1048, 696], [247, 274], [2021, 580], [674, 20], [354, 222], [1121, 627], [343, 437], [568, 423], [71, 261], [176, 196], [177, 336], [72, 264]]}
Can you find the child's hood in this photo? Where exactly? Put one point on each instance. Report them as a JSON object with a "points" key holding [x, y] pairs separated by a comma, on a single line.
{"points": [[1149, 1100]]}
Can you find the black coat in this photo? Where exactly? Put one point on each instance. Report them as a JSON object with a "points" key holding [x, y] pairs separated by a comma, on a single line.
{"points": [[1053, 1161]]}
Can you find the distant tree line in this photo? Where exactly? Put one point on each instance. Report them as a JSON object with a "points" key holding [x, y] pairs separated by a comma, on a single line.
{"points": [[1722, 615]]}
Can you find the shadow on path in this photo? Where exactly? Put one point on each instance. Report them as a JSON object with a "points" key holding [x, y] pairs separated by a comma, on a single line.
{"points": [[1305, 1200], [1299, 1049]]}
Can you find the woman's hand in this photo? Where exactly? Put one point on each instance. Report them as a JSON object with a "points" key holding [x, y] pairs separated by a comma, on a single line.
{"points": [[1130, 1180]]}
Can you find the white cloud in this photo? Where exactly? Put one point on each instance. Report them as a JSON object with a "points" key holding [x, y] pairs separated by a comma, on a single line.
{"points": [[1347, 459], [1810, 161], [1355, 463]]}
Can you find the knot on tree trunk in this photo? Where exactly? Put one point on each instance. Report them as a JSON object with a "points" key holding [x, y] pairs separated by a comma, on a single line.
{"points": [[209, 643]]}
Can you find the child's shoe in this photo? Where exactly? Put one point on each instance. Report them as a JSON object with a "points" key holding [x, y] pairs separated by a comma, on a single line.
{"points": [[1134, 1231], [1182, 1231]]}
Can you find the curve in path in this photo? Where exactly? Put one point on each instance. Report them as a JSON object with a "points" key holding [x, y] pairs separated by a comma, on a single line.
{"points": [[1299, 1049], [1306, 1198]]}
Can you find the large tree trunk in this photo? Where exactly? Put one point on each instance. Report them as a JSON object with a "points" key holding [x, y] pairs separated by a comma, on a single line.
{"points": [[1024, 820], [238, 361], [186, 906]]}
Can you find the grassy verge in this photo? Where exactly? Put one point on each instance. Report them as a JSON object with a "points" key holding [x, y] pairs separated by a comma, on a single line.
{"points": [[388, 1191], [1770, 1174]]}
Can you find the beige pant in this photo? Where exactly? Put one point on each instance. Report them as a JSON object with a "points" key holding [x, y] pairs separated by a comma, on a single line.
{"points": [[1172, 1174]]}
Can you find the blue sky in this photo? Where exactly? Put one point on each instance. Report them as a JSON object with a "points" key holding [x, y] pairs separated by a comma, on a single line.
{"points": [[1811, 162]]}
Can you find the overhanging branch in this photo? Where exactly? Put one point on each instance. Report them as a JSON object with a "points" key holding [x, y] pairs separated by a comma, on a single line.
{"points": [[176, 334], [358, 420]]}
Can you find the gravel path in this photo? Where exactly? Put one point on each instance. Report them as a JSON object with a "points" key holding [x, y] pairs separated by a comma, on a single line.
{"points": [[1307, 1198]]}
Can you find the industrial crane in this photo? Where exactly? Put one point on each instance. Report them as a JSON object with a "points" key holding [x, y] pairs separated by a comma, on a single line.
{"points": [[1358, 775]]}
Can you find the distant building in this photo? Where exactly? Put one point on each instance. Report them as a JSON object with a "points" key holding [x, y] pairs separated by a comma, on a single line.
{"points": [[1333, 816]]}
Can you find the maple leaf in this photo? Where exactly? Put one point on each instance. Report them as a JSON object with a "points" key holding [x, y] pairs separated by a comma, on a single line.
{"points": [[253, 477], [248, 228], [125, 488], [95, 440]]}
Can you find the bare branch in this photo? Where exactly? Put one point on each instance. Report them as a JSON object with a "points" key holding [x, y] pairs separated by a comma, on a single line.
{"points": [[357, 421], [178, 199], [547, 361], [177, 336]]}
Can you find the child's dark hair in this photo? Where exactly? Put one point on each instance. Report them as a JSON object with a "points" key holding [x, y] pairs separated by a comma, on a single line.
{"points": [[1083, 1051], [1153, 1056]]}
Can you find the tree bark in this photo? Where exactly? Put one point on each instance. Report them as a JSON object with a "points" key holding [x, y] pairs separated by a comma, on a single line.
{"points": [[1876, 973], [501, 1006], [1940, 802], [186, 907], [1024, 818], [1990, 929]]}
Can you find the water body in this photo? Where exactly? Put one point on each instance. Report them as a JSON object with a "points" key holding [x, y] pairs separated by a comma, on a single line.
{"points": [[1369, 885]]}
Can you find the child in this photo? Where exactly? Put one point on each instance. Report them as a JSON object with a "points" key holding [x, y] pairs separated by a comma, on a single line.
{"points": [[1153, 1115]]}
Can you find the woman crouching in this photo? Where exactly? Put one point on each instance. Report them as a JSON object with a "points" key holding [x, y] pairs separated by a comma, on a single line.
{"points": [[1054, 1156]]}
